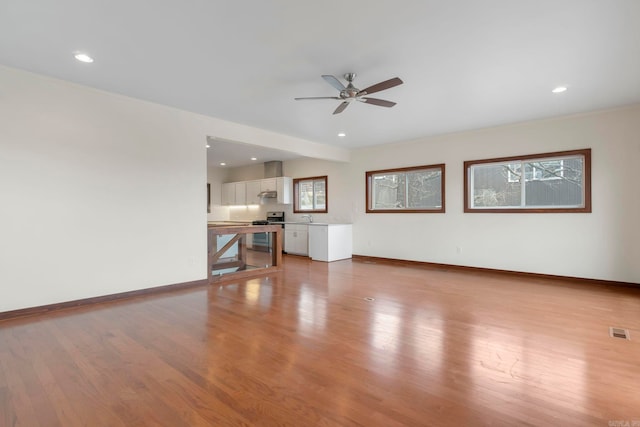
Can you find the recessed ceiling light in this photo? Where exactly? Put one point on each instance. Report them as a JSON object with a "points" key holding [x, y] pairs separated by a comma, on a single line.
{"points": [[342, 134], [223, 164], [83, 57], [254, 158], [208, 146], [559, 89]]}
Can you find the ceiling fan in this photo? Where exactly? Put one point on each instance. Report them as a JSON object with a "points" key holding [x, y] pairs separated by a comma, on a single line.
{"points": [[351, 93]]}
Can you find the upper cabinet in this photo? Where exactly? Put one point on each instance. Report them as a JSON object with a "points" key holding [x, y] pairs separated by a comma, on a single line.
{"points": [[241, 193], [253, 189], [246, 192], [268, 184], [234, 193], [284, 186], [229, 193]]}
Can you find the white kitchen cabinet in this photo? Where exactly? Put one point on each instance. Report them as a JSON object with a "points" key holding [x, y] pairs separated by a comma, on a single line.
{"points": [[330, 242], [234, 193], [241, 193], [253, 189], [268, 184], [296, 239], [229, 193], [246, 192], [284, 185]]}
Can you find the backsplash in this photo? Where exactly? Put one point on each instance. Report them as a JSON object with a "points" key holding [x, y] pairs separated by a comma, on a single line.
{"points": [[255, 212]]}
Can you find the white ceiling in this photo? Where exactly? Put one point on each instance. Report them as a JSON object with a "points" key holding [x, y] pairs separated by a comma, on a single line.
{"points": [[466, 64], [234, 154]]}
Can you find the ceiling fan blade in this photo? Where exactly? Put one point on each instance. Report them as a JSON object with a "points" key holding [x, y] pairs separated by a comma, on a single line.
{"points": [[387, 84], [341, 107], [376, 101], [318, 97], [333, 82]]}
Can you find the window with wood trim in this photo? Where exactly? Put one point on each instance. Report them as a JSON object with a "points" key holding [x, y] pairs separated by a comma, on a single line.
{"points": [[549, 182], [310, 195], [418, 189]]}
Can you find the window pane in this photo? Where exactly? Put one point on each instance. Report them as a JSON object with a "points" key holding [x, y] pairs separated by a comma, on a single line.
{"points": [[411, 189], [496, 185], [319, 194], [310, 195], [306, 195], [550, 182], [555, 183], [389, 191], [424, 189]]}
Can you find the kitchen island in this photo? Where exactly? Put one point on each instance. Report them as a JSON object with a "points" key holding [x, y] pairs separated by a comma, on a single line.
{"points": [[231, 254]]}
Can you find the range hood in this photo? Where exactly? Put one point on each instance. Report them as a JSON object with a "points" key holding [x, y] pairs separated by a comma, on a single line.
{"points": [[268, 195], [272, 169]]}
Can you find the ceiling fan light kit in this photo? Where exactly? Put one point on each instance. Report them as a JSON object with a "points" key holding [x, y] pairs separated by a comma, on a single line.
{"points": [[350, 93]]}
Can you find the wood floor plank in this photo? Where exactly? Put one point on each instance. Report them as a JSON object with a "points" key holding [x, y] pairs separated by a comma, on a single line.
{"points": [[431, 347]]}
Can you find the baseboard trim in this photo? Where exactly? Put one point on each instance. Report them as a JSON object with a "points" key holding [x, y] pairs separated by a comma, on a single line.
{"points": [[31, 311], [462, 268]]}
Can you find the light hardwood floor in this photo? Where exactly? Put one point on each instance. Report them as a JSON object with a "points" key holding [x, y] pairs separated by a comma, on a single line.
{"points": [[305, 348]]}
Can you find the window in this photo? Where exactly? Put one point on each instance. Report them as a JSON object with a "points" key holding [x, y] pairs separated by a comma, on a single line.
{"points": [[310, 195], [551, 182], [406, 190]]}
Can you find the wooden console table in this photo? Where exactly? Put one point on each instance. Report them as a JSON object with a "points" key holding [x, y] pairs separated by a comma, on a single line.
{"points": [[229, 254]]}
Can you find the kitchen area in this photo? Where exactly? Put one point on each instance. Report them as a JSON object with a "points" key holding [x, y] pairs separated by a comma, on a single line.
{"points": [[252, 222]]}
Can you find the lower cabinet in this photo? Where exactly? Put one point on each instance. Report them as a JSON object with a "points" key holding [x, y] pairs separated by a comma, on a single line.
{"points": [[296, 239], [330, 242]]}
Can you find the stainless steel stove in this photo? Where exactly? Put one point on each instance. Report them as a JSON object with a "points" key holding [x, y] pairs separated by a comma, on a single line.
{"points": [[262, 241]]}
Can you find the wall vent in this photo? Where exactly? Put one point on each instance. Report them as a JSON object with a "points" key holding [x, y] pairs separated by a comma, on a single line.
{"points": [[619, 333]]}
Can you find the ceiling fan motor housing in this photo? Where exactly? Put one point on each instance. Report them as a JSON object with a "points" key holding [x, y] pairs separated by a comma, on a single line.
{"points": [[350, 92]]}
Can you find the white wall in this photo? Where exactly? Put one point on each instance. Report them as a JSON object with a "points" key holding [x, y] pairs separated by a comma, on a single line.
{"points": [[101, 193], [604, 244], [340, 188], [245, 173]]}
